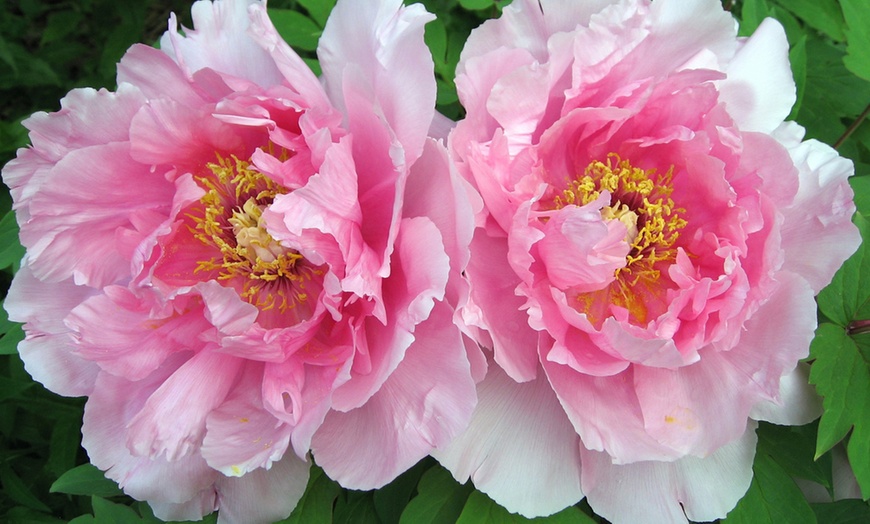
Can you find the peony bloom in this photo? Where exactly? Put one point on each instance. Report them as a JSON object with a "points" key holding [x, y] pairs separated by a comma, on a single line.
{"points": [[237, 263], [644, 271]]}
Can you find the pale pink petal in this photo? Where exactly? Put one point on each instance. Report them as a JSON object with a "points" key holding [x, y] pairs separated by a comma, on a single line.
{"points": [[72, 229], [157, 76], [129, 336], [760, 91], [220, 41], [108, 412], [241, 436], [47, 348], [819, 219], [172, 420], [493, 292], [380, 44], [419, 277], [519, 448], [426, 402], [701, 489], [295, 71], [264, 495], [797, 403]]}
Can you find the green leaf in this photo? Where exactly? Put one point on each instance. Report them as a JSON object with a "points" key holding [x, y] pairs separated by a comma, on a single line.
{"points": [[17, 490], [476, 4], [847, 297], [60, 24], [357, 508], [297, 29], [9, 341], [318, 9], [106, 512], [841, 374], [797, 56], [849, 511], [832, 92], [822, 15], [480, 509], [793, 448], [857, 15], [391, 499], [439, 499], [751, 15], [317, 501], [85, 480], [861, 187], [11, 251], [773, 498], [64, 446]]}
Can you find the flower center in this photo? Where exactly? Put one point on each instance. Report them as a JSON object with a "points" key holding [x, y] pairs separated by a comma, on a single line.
{"points": [[640, 199], [230, 219]]}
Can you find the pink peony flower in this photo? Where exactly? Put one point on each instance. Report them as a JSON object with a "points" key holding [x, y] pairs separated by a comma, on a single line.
{"points": [[237, 264], [644, 271]]}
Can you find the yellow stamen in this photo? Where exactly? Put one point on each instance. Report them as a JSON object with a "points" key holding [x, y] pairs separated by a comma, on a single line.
{"points": [[640, 199]]}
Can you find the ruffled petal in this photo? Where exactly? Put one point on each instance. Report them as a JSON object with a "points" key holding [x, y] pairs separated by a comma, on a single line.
{"points": [[701, 489], [519, 448], [426, 402]]}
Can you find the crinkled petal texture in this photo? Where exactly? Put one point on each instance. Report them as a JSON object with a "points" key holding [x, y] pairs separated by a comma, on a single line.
{"points": [[652, 238], [238, 262]]}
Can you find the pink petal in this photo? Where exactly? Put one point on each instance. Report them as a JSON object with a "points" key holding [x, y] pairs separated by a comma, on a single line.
{"points": [[129, 336], [241, 435], [425, 402], [760, 91], [172, 420], [419, 276], [701, 489], [221, 42], [493, 293], [91, 195], [107, 414], [47, 348], [262, 496], [379, 44], [519, 448], [797, 403]]}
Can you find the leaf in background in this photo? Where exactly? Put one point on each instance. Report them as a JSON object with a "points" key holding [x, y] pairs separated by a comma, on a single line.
{"points": [[861, 186], [476, 4], [832, 92], [17, 490], [480, 509], [317, 501], [9, 341], [841, 374], [106, 512], [751, 15], [439, 499], [86, 480], [822, 15], [773, 498], [357, 508], [318, 9], [793, 448], [391, 499], [66, 438], [849, 511], [11, 251], [22, 515], [857, 16], [59, 25], [847, 297], [797, 56], [297, 29]]}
